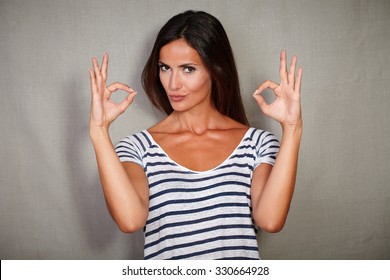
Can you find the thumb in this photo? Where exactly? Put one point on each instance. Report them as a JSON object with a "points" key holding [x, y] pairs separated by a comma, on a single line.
{"points": [[126, 103], [260, 101]]}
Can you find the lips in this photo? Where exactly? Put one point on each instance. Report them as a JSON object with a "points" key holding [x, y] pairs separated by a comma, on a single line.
{"points": [[177, 98]]}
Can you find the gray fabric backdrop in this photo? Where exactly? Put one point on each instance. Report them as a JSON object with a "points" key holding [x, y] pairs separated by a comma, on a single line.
{"points": [[51, 202]]}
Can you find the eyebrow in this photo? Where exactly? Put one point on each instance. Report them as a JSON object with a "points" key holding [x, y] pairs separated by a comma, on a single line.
{"points": [[182, 65]]}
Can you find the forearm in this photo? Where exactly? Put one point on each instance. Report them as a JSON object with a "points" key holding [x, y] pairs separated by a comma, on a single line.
{"points": [[123, 202], [272, 207]]}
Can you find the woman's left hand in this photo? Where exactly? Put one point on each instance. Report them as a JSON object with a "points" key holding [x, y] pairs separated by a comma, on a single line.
{"points": [[286, 109]]}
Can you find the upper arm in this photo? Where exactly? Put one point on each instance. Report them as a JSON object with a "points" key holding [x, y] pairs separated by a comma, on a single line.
{"points": [[140, 184], [267, 148], [263, 209], [130, 151], [259, 179]]}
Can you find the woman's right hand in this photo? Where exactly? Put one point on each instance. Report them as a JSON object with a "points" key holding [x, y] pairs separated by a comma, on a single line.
{"points": [[103, 110]]}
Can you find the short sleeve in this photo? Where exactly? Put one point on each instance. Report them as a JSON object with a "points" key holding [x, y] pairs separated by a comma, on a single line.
{"points": [[128, 150], [267, 148]]}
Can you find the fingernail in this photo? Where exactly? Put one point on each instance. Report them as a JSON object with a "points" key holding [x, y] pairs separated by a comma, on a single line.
{"points": [[256, 92]]}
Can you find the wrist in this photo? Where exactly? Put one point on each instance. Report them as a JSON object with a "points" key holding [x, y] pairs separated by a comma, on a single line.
{"points": [[98, 132], [295, 129]]}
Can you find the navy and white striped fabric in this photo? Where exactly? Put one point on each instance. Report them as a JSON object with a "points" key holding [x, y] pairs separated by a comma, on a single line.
{"points": [[200, 215]]}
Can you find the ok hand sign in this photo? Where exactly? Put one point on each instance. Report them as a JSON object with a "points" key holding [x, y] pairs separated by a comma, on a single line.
{"points": [[103, 110], [286, 109]]}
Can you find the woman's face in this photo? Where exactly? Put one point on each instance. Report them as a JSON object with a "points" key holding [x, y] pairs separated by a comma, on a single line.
{"points": [[184, 77]]}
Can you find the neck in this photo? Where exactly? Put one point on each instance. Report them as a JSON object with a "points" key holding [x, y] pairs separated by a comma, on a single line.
{"points": [[197, 122]]}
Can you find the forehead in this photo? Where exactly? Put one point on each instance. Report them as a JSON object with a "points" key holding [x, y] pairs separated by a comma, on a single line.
{"points": [[179, 52]]}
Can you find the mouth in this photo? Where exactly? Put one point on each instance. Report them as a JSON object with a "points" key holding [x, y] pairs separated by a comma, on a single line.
{"points": [[176, 97]]}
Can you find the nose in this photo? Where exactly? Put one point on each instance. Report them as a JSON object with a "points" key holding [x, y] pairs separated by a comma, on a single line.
{"points": [[175, 81]]}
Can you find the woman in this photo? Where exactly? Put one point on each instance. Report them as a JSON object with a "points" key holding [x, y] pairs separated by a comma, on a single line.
{"points": [[201, 181]]}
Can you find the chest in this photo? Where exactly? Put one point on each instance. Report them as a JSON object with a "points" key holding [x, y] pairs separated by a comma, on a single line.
{"points": [[200, 153]]}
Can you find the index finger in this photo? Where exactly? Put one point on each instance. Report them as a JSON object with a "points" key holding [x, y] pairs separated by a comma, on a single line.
{"points": [[267, 84], [119, 86]]}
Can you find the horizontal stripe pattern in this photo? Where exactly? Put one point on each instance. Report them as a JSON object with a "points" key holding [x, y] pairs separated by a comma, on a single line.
{"points": [[200, 215]]}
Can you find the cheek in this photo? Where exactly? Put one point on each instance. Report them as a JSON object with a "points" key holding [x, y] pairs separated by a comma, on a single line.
{"points": [[200, 83], [163, 80]]}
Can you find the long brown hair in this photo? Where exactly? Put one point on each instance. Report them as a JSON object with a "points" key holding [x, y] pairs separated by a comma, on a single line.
{"points": [[206, 35]]}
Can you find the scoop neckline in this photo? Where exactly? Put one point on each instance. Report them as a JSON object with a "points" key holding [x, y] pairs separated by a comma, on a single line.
{"points": [[202, 171]]}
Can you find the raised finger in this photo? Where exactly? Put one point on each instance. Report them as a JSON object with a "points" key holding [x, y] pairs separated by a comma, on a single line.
{"points": [[104, 69], [291, 73], [298, 80], [283, 67], [94, 91], [98, 74], [93, 81]]}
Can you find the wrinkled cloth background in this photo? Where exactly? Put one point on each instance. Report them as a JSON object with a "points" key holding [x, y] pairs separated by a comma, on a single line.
{"points": [[51, 202]]}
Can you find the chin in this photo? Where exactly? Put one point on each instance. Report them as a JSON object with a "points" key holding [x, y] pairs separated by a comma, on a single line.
{"points": [[177, 108]]}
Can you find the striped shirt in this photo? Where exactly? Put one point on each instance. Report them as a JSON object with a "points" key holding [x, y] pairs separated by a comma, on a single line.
{"points": [[200, 214]]}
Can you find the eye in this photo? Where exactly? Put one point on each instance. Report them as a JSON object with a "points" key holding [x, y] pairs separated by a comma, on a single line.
{"points": [[163, 67], [189, 69]]}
